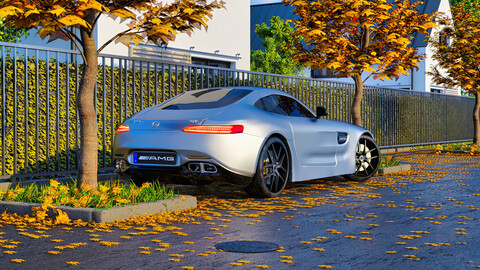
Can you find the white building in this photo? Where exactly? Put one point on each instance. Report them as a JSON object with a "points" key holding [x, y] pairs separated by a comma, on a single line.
{"points": [[226, 43], [417, 80]]}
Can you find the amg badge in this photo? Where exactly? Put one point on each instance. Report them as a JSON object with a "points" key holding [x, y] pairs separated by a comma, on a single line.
{"points": [[155, 158]]}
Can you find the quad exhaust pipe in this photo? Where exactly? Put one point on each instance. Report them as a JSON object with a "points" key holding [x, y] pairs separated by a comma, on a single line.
{"points": [[194, 167], [201, 167], [121, 165]]}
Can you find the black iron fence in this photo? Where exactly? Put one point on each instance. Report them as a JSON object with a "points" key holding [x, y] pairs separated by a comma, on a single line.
{"points": [[39, 124]]}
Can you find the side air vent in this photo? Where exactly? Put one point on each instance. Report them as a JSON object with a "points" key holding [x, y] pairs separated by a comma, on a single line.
{"points": [[342, 137]]}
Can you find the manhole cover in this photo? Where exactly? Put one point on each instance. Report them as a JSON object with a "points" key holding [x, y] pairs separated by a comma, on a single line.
{"points": [[247, 246]]}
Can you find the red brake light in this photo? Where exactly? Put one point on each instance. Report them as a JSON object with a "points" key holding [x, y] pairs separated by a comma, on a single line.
{"points": [[123, 128], [214, 129]]}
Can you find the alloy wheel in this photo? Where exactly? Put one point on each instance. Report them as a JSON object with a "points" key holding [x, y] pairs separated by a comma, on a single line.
{"points": [[367, 158], [275, 167]]}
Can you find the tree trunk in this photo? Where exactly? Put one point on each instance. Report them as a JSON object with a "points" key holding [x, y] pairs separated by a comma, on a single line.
{"points": [[357, 101], [88, 160], [476, 120]]}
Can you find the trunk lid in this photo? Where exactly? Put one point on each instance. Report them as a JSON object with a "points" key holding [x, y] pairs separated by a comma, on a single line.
{"points": [[169, 120]]}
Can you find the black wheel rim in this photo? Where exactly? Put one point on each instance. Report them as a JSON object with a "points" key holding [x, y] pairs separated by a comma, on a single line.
{"points": [[275, 167], [366, 158]]}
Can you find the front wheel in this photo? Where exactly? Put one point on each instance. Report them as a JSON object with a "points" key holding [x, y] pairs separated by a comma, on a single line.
{"points": [[367, 159], [273, 170]]}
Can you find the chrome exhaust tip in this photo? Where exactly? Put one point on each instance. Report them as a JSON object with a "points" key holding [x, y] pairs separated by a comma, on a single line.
{"points": [[195, 167], [201, 167], [209, 168], [121, 165]]}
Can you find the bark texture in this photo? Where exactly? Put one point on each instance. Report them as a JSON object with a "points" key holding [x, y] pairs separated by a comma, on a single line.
{"points": [[357, 101], [357, 98], [476, 120], [88, 161]]}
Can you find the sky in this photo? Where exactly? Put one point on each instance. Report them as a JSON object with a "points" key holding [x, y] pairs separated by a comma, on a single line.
{"points": [[256, 2]]}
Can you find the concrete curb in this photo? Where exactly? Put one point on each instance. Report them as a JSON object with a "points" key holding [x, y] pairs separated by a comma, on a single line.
{"points": [[5, 186], [394, 150], [393, 169], [180, 202]]}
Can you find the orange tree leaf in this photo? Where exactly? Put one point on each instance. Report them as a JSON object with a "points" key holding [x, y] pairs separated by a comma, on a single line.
{"points": [[123, 13], [32, 11], [9, 10], [92, 4], [57, 35], [57, 10], [70, 20], [189, 11]]}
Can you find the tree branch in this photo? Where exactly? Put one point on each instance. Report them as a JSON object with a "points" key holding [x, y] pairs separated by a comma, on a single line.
{"points": [[112, 39], [368, 77], [95, 21], [73, 37], [365, 39]]}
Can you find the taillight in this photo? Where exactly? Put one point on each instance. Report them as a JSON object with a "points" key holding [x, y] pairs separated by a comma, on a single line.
{"points": [[214, 129], [123, 128]]}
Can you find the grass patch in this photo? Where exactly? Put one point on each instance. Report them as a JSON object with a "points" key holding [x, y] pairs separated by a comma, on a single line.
{"points": [[109, 194], [467, 147], [446, 145], [458, 146], [388, 161]]}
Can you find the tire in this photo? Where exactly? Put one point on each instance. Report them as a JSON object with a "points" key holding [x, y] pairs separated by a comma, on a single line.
{"points": [[367, 159], [273, 170]]}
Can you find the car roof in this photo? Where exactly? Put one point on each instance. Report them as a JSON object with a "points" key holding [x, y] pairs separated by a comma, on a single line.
{"points": [[257, 91]]}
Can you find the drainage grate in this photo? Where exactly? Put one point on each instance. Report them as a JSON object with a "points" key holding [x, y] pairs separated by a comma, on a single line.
{"points": [[247, 246]]}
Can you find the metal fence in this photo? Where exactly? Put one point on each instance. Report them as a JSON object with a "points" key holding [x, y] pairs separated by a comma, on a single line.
{"points": [[39, 124]]}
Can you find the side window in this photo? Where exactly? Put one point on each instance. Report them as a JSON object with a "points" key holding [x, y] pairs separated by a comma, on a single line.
{"points": [[269, 104], [444, 37], [293, 107]]}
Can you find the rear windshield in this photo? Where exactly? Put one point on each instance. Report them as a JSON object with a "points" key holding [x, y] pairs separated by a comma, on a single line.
{"points": [[205, 99]]}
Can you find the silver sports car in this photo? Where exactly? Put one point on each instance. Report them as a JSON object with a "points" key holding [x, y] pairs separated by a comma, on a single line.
{"points": [[253, 137]]}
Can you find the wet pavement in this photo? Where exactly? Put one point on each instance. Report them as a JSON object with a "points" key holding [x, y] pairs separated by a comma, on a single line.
{"points": [[423, 219]]}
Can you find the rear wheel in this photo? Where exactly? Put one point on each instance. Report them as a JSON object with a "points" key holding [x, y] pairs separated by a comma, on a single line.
{"points": [[367, 159], [273, 170]]}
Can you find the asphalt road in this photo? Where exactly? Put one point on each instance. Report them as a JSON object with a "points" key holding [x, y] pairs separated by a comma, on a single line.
{"points": [[423, 219]]}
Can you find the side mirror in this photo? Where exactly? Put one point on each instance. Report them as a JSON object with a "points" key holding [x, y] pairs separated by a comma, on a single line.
{"points": [[321, 111]]}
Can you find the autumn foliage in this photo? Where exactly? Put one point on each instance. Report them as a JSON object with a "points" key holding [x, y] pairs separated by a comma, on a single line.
{"points": [[352, 37], [148, 20], [457, 50]]}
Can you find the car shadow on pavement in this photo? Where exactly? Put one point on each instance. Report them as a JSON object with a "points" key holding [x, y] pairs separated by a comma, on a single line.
{"points": [[234, 192]]}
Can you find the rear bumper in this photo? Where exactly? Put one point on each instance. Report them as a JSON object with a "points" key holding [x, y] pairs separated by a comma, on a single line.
{"points": [[182, 175], [234, 155]]}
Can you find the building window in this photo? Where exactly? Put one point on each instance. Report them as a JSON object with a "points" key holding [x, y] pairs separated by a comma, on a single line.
{"points": [[322, 73], [443, 38], [211, 63]]}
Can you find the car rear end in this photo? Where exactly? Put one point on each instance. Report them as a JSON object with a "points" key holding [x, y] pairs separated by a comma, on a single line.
{"points": [[187, 143]]}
